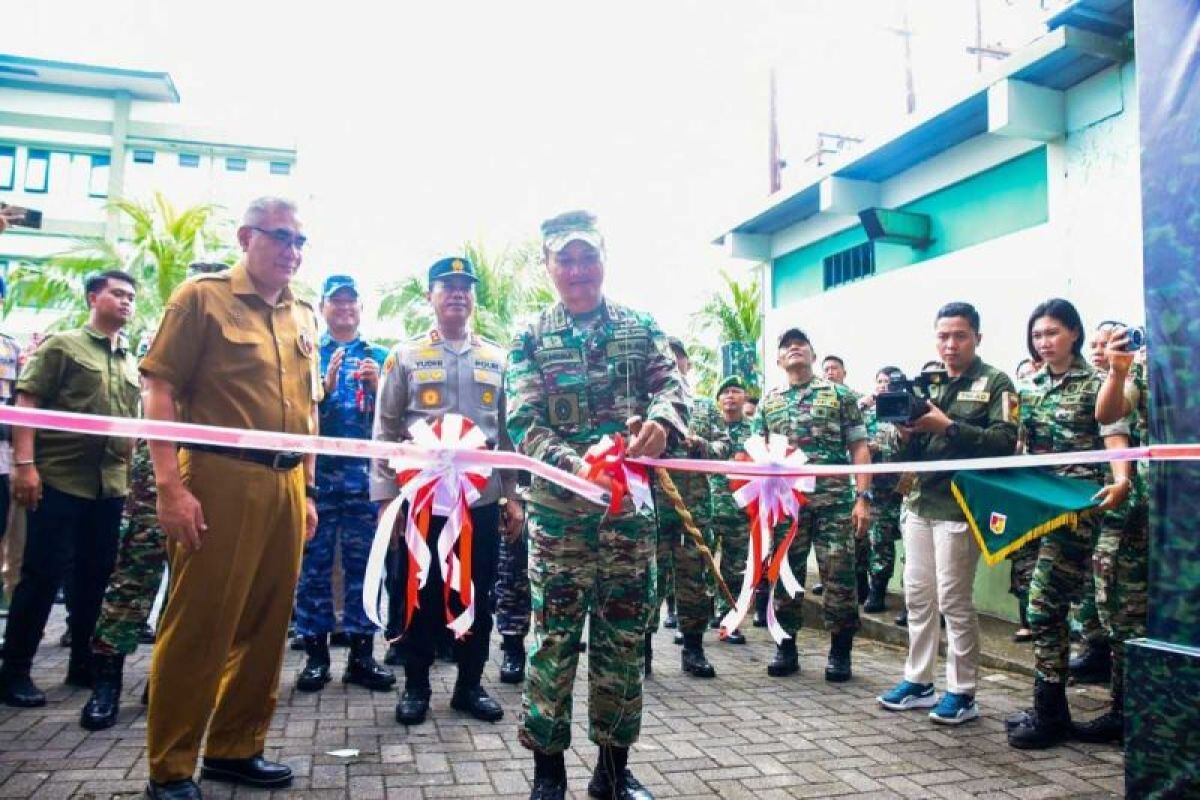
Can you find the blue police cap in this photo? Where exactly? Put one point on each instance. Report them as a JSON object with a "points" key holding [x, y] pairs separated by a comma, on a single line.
{"points": [[454, 265]]}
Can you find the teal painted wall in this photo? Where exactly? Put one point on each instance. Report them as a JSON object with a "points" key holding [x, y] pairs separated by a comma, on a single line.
{"points": [[1004, 199]]}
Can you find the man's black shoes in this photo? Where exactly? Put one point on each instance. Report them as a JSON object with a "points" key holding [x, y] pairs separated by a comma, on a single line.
{"points": [[252, 771]]}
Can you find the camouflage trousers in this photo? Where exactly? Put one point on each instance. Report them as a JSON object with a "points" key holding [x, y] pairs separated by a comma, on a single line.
{"points": [[1063, 567], [1085, 617], [132, 586], [827, 530], [345, 522], [882, 537], [600, 570], [512, 588], [1022, 561], [684, 576], [1121, 563], [734, 536]]}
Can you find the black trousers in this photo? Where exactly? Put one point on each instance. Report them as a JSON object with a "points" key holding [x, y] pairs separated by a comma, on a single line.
{"points": [[429, 622], [70, 541], [5, 498]]}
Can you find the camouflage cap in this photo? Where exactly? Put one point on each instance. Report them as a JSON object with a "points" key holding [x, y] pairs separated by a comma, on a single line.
{"points": [[794, 334], [336, 283], [559, 231], [732, 382]]}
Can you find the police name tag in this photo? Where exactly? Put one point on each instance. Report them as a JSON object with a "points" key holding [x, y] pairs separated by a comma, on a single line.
{"points": [[974, 397]]}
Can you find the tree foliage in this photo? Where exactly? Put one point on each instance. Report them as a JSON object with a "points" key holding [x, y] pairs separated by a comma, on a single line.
{"points": [[730, 315]]}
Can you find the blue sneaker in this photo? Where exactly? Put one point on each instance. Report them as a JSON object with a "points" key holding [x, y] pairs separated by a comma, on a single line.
{"points": [[955, 709], [908, 695]]}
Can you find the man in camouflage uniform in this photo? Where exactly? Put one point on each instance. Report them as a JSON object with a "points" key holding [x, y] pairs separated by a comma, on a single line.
{"points": [[822, 419], [693, 605], [346, 516], [1120, 561], [730, 524], [582, 370], [889, 490]]}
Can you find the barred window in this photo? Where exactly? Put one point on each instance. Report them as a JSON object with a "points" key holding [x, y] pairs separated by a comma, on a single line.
{"points": [[850, 265]]}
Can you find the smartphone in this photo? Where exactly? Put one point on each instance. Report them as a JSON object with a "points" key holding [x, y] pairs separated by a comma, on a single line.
{"points": [[25, 217]]}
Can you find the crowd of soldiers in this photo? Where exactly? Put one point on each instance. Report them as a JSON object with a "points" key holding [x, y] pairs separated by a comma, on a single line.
{"points": [[250, 537]]}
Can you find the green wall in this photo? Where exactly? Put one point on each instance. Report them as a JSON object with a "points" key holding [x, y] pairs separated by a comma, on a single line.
{"points": [[1006, 198]]}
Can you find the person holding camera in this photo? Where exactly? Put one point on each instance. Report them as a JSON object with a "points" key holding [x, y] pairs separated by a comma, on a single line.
{"points": [[970, 413]]}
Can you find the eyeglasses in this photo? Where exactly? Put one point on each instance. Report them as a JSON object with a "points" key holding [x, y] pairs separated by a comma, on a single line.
{"points": [[283, 236]]}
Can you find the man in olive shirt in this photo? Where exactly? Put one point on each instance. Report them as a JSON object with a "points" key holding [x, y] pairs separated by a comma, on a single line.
{"points": [[234, 349], [73, 485], [973, 415]]}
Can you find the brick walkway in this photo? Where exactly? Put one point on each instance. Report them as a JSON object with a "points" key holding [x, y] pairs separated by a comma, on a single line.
{"points": [[742, 735]]}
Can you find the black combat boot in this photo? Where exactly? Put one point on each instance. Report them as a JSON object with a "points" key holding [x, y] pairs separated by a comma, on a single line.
{"points": [[101, 709], [549, 777], [1049, 721], [17, 689], [612, 779], [363, 669], [877, 595], [1107, 728], [512, 667], [786, 660], [649, 653], [315, 673], [1094, 664], [414, 702], [837, 668], [692, 657]]}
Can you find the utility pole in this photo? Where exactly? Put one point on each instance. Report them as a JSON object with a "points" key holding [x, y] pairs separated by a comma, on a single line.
{"points": [[906, 33], [980, 49], [775, 163]]}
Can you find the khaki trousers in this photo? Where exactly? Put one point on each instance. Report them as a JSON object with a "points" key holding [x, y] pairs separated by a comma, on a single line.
{"points": [[221, 637]]}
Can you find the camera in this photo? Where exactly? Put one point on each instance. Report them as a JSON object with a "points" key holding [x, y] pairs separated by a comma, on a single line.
{"points": [[907, 400], [25, 217], [1135, 334]]}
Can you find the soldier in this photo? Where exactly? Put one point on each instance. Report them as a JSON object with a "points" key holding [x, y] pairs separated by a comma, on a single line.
{"points": [[512, 603], [73, 485], [1058, 414], [448, 370], [729, 521], [822, 419], [233, 349], [579, 372], [1120, 562], [350, 366], [889, 490], [706, 438]]}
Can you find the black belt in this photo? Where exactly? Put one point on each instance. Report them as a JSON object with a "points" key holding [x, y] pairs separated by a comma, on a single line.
{"points": [[282, 461]]}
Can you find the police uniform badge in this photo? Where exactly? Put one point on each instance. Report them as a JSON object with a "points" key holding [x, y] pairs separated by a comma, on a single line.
{"points": [[564, 409], [456, 265], [430, 397]]}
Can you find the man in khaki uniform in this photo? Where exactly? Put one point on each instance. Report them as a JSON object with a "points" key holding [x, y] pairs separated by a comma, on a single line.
{"points": [[234, 349]]}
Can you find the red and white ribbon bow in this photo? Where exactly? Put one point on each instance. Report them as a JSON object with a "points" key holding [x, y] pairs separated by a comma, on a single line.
{"points": [[768, 501], [446, 488], [607, 457]]}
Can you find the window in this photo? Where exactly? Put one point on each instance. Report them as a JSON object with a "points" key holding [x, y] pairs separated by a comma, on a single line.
{"points": [[143, 156], [281, 168], [849, 265], [189, 159], [98, 176], [235, 164], [37, 171], [8, 166]]}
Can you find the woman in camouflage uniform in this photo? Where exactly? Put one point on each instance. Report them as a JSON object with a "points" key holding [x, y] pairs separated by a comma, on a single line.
{"points": [[1058, 415]]}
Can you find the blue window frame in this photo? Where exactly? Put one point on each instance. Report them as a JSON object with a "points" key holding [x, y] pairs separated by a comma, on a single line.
{"points": [[37, 171], [235, 164], [8, 166], [281, 168], [143, 156], [98, 176], [189, 159]]}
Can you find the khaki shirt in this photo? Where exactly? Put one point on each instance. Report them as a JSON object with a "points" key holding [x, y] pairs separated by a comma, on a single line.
{"points": [[236, 361], [82, 371], [429, 377]]}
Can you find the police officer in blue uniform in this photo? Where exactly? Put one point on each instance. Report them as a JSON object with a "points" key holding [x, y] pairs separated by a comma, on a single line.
{"points": [[350, 366]]}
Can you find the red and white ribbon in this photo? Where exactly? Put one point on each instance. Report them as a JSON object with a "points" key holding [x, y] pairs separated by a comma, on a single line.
{"points": [[445, 488], [607, 458], [768, 501]]}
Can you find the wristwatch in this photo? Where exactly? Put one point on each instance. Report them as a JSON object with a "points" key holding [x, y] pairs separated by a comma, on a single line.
{"points": [[951, 431], [311, 491], [866, 494]]}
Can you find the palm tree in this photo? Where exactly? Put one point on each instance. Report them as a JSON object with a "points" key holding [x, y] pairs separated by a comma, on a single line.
{"points": [[512, 284], [161, 245], [732, 317]]}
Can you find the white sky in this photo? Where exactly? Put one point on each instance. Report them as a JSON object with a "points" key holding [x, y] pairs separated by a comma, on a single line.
{"points": [[421, 125]]}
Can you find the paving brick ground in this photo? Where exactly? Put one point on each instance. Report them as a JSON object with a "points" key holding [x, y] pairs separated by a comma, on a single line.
{"points": [[743, 735]]}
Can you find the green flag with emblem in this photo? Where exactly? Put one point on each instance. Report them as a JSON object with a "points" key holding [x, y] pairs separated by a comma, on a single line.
{"points": [[1006, 508]]}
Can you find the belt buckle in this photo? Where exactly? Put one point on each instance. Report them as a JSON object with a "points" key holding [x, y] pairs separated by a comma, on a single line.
{"points": [[284, 461]]}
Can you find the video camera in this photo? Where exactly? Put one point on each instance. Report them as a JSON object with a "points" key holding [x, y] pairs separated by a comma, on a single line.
{"points": [[1135, 334], [25, 217], [907, 400]]}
